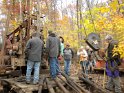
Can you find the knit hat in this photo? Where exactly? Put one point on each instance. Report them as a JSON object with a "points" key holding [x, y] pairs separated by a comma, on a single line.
{"points": [[108, 37], [50, 31]]}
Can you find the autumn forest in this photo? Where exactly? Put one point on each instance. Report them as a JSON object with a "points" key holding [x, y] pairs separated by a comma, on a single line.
{"points": [[71, 19]]}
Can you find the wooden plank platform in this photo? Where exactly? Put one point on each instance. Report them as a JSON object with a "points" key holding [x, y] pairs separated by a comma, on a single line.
{"points": [[17, 86], [21, 87]]}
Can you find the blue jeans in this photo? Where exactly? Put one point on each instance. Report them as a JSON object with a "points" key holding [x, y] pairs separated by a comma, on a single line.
{"points": [[54, 67], [84, 65], [67, 66], [30, 66]]}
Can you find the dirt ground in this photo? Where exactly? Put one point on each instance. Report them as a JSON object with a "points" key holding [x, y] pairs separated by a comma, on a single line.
{"points": [[98, 77]]}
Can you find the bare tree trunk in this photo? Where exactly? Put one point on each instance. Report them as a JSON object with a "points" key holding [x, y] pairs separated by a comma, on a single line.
{"points": [[54, 9], [120, 2], [20, 1], [79, 19], [29, 20], [13, 8], [62, 8], [38, 16], [77, 4]]}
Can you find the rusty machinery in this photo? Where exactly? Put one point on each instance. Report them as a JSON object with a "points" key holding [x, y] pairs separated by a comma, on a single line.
{"points": [[14, 49], [14, 57]]}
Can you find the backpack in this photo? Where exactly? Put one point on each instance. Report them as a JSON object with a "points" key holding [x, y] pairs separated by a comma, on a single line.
{"points": [[116, 58]]}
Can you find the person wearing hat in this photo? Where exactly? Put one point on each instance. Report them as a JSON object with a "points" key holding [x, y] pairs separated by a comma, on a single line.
{"points": [[53, 50], [112, 66], [50, 32], [68, 55], [34, 48]]}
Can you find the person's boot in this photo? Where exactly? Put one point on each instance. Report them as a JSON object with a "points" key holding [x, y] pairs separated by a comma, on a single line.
{"points": [[27, 82]]}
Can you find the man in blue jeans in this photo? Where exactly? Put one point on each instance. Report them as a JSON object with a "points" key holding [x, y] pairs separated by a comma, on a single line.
{"points": [[33, 49], [68, 55], [53, 50]]}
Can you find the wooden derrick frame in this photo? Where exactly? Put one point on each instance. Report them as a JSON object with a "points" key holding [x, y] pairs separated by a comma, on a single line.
{"points": [[13, 60]]}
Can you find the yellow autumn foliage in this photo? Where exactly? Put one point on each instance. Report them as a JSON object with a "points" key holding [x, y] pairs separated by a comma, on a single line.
{"points": [[120, 50]]}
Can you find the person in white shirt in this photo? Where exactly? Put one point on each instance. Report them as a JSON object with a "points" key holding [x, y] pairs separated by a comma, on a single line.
{"points": [[83, 59]]}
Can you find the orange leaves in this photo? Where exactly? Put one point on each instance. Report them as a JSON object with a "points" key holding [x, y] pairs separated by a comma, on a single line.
{"points": [[64, 21]]}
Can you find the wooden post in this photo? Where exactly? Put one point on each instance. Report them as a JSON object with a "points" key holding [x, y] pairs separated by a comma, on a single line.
{"points": [[41, 84], [50, 88], [29, 20], [69, 85], [61, 86], [71, 82]]}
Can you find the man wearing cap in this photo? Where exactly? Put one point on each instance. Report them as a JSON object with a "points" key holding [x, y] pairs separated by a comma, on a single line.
{"points": [[53, 50], [33, 49], [112, 66]]}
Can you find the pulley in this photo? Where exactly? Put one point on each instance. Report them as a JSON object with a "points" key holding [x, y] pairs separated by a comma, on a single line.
{"points": [[93, 40]]}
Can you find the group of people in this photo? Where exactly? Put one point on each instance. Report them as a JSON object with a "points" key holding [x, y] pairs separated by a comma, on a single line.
{"points": [[87, 59], [56, 50]]}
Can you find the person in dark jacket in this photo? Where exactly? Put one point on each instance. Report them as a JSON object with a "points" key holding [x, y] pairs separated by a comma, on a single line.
{"points": [[53, 49], [68, 55], [34, 52], [112, 66]]}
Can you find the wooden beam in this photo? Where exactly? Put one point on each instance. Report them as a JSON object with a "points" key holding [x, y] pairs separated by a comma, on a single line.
{"points": [[23, 25], [50, 88], [61, 86], [41, 83]]}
